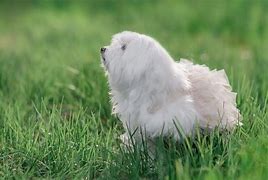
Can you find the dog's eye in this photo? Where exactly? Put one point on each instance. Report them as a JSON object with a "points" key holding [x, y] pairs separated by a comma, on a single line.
{"points": [[124, 47]]}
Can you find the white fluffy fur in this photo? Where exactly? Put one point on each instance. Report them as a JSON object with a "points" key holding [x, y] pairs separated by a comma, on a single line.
{"points": [[152, 92]]}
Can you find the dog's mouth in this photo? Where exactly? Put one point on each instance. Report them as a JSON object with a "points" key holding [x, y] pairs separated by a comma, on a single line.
{"points": [[103, 58], [102, 51], [104, 61]]}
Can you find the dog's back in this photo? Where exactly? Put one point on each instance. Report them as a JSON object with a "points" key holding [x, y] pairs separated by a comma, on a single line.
{"points": [[213, 96]]}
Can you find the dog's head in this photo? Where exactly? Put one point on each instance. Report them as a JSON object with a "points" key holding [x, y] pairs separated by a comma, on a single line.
{"points": [[131, 56]]}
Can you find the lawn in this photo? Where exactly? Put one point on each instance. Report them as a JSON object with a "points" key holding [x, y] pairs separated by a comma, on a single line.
{"points": [[55, 114]]}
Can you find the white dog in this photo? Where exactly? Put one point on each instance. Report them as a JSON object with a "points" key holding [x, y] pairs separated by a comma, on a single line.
{"points": [[152, 93]]}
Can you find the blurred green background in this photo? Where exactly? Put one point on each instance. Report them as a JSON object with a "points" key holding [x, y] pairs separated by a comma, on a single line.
{"points": [[51, 81]]}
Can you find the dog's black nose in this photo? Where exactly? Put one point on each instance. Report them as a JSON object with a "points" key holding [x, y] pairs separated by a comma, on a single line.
{"points": [[102, 50]]}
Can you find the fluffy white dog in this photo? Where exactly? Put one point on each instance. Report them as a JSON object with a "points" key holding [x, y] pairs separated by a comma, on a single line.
{"points": [[152, 93]]}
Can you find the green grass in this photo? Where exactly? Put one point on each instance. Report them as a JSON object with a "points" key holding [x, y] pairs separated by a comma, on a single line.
{"points": [[55, 115]]}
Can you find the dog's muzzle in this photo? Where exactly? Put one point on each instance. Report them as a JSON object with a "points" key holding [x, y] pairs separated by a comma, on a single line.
{"points": [[102, 51]]}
